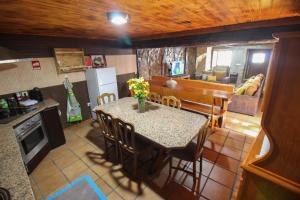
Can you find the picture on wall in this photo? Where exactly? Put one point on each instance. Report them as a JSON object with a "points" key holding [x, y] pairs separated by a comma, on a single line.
{"points": [[98, 61]]}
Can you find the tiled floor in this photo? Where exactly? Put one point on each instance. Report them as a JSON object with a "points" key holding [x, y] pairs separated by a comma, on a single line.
{"points": [[83, 155]]}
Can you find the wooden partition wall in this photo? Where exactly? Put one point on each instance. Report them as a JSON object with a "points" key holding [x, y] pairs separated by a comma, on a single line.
{"points": [[272, 167]]}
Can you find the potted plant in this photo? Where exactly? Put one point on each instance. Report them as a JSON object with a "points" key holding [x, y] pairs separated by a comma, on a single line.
{"points": [[140, 90]]}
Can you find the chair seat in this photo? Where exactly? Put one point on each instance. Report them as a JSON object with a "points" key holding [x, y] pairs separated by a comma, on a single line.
{"points": [[186, 153]]}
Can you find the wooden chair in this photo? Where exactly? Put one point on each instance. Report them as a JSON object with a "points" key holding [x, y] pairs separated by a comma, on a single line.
{"points": [[128, 143], [108, 132], [191, 153], [154, 97], [171, 101], [110, 97]]}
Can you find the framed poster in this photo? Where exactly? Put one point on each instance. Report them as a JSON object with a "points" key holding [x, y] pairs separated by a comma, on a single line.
{"points": [[98, 61], [69, 60]]}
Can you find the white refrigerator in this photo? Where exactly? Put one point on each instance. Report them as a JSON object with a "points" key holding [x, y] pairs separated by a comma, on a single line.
{"points": [[99, 81]]}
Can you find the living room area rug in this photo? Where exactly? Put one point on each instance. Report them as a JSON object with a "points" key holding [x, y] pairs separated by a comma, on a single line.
{"points": [[82, 188]]}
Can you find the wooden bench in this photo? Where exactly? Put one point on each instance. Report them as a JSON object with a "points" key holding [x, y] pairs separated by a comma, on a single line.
{"points": [[197, 96]]}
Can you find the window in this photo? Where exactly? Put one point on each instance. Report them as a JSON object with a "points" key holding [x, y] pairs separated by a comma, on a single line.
{"points": [[258, 58], [221, 58]]}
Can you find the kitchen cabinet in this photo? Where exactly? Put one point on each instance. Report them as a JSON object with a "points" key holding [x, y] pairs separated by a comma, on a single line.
{"points": [[53, 127]]}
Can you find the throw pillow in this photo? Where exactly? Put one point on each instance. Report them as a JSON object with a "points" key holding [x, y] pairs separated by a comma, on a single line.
{"points": [[240, 90], [211, 78], [219, 75], [251, 89]]}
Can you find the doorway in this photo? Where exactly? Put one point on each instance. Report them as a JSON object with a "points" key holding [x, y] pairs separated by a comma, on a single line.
{"points": [[257, 62]]}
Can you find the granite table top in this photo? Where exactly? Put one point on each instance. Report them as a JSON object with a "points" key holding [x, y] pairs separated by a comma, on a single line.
{"points": [[13, 175], [164, 125]]}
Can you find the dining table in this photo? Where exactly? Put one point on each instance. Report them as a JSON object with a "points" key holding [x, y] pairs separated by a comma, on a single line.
{"points": [[165, 126]]}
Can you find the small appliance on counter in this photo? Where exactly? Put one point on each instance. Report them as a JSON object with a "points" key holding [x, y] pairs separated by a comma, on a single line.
{"points": [[36, 94]]}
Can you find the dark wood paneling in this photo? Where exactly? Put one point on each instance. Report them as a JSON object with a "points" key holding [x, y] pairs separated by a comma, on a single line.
{"points": [[28, 46], [87, 19], [226, 36], [122, 84]]}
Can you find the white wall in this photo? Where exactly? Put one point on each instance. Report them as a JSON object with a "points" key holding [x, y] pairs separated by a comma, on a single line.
{"points": [[22, 77]]}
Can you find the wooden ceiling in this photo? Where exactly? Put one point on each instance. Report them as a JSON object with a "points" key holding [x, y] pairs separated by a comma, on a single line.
{"points": [[148, 18]]}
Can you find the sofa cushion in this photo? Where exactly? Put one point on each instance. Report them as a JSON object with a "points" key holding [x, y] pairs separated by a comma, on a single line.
{"points": [[220, 75], [251, 88], [240, 90], [211, 78]]}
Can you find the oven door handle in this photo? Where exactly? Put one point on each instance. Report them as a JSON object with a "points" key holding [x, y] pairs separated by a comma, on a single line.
{"points": [[24, 135]]}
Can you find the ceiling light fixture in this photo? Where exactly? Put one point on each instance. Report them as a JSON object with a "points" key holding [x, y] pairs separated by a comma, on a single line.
{"points": [[117, 18]]}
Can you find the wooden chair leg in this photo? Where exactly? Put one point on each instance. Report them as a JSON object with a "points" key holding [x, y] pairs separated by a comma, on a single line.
{"points": [[117, 151], [106, 149], [201, 164], [134, 165], [194, 173]]}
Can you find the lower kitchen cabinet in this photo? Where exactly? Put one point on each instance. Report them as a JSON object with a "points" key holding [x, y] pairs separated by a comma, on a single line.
{"points": [[53, 127]]}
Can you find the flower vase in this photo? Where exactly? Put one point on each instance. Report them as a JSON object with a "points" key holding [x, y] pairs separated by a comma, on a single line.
{"points": [[141, 105]]}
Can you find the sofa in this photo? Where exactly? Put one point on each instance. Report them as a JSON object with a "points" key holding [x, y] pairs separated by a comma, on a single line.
{"points": [[219, 74], [246, 104]]}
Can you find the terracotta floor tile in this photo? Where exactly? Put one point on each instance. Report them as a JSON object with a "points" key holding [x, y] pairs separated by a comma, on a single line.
{"points": [[44, 170], [247, 147], [231, 152], [114, 196], [237, 144], [221, 131], [228, 163], [215, 191], [111, 180], [212, 146], [52, 184], [237, 136], [244, 154], [100, 169], [149, 194], [130, 190], [65, 152], [76, 143], [83, 150], [66, 161], [210, 155], [86, 172], [74, 169], [222, 176], [104, 187], [217, 138], [187, 181], [250, 139]]}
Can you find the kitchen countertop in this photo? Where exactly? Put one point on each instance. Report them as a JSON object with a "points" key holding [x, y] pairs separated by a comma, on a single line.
{"points": [[164, 125], [13, 175]]}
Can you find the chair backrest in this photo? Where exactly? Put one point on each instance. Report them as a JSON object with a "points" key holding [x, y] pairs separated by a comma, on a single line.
{"points": [[171, 101], [109, 96], [126, 135], [107, 124], [201, 138], [154, 97]]}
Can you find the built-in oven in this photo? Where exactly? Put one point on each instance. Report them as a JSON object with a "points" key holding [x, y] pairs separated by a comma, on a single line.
{"points": [[32, 137]]}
